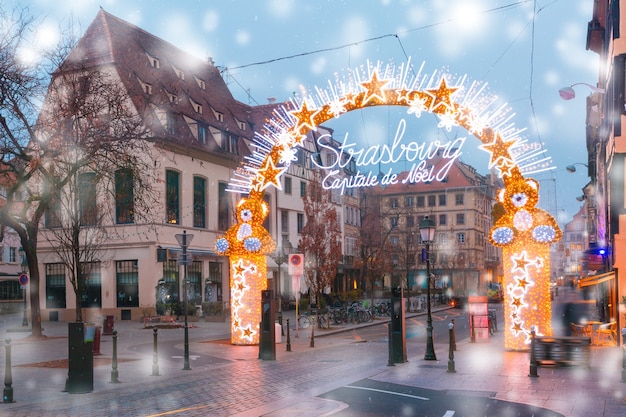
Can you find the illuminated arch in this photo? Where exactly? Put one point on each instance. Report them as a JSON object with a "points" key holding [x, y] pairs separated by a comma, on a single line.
{"points": [[525, 233]]}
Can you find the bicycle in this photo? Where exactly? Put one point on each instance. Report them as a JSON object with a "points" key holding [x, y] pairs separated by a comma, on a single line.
{"points": [[304, 321]]}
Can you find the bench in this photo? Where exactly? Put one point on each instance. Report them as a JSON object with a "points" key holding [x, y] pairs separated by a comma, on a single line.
{"points": [[562, 351]]}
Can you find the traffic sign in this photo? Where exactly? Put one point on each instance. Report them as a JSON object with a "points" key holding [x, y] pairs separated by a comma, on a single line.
{"points": [[23, 280], [296, 264], [186, 259]]}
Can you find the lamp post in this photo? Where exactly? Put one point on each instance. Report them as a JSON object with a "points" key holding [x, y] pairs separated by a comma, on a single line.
{"points": [[281, 256], [572, 168], [427, 233], [23, 283], [183, 240]]}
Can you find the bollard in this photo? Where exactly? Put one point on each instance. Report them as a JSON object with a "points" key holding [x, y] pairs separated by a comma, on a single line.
{"points": [[390, 345], [288, 338], [451, 349], [96, 342], [473, 333], [453, 337], [155, 355], [533, 355], [312, 332], [7, 393], [114, 373]]}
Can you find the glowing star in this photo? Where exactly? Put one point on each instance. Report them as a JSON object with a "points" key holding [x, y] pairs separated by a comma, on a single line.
{"points": [[522, 283], [499, 149], [305, 118], [505, 167], [374, 90], [517, 302], [270, 175], [517, 327], [442, 102], [520, 263], [248, 332]]}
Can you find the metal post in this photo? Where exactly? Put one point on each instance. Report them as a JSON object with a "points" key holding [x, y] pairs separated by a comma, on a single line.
{"points": [[451, 348], [186, 303], [533, 355], [623, 354], [114, 373], [288, 338], [453, 336], [430, 349], [25, 318], [312, 331], [472, 332], [7, 393], [155, 354], [390, 361]]}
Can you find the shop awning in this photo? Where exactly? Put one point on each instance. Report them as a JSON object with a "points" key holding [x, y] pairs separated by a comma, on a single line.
{"points": [[596, 279]]}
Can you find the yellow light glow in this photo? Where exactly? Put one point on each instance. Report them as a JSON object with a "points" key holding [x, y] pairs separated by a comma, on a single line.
{"points": [[523, 231]]}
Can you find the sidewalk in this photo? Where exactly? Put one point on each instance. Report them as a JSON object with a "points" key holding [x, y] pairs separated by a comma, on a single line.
{"points": [[232, 381]]}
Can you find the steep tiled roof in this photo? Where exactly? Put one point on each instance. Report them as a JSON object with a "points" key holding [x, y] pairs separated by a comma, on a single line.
{"points": [[180, 84]]}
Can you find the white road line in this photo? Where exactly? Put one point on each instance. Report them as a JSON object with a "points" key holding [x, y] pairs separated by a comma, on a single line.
{"points": [[449, 413], [388, 392]]}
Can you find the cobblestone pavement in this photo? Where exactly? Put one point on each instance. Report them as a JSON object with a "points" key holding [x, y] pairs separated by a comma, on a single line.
{"points": [[227, 380]]}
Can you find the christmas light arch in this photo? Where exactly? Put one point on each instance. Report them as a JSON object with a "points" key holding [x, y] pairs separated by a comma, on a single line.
{"points": [[523, 231]]}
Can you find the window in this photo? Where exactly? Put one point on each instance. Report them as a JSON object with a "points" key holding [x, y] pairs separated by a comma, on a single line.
{"points": [[214, 281], [287, 185], [420, 201], [194, 283], [300, 222], [408, 202], [284, 221], [229, 143], [179, 73], [12, 255], [219, 116], [393, 202], [200, 83], [52, 218], [460, 237], [302, 188], [127, 283], [172, 195], [92, 288], [170, 124], [172, 97], [197, 107], [442, 199], [55, 286], [10, 290], [201, 134], [124, 197], [460, 218], [395, 241], [458, 199], [410, 221], [199, 202], [443, 219], [393, 221], [223, 215], [87, 198], [432, 200], [154, 62]]}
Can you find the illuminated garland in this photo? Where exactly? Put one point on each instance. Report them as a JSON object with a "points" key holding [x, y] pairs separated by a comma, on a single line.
{"points": [[523, 229]]}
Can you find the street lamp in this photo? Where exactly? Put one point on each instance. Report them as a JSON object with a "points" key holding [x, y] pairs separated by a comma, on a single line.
{"points": [[568, 93], [23, 282], [572, 168], [183, 240], [427, 233]]}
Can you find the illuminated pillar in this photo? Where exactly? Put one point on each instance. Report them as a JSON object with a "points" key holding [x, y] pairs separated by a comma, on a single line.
{"points": [[247, 282], [527, 293]]}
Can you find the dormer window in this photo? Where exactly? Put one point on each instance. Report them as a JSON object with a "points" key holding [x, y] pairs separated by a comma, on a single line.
{"points": [[196, 106], [147, 88], [179, 73], [242, 125], [219, 116], [154, 62], [172, 98], [200, 83]]}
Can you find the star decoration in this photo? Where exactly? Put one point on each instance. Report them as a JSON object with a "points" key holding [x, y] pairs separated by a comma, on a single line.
{"points": [[442, 102], [522, 283], [374, 89], [506, 166], [517, 302], [269, 174], [305, 118], [248, 332], [517, 327], [499, 149], [520, 262]]}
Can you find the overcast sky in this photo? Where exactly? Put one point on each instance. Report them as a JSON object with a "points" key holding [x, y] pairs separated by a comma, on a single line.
{"points": [[524, 50]]}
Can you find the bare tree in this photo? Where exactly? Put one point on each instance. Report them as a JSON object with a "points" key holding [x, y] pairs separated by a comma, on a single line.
{"points": [[320, 238], [87, 124]]}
